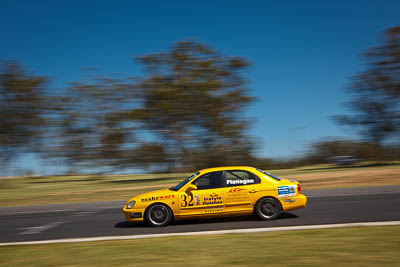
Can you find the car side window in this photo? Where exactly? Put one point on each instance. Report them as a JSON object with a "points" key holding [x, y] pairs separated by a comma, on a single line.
{"points": [[209, 181], [237, 178]]}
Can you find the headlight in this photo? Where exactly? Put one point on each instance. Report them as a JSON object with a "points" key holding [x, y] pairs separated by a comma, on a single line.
{"points": [[130, 204]]}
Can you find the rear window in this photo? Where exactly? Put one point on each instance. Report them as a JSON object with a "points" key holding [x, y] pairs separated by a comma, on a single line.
{"points": [[270, 175]]}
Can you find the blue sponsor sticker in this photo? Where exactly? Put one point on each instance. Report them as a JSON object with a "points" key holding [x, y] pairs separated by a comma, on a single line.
{"points": [[286, 191]]}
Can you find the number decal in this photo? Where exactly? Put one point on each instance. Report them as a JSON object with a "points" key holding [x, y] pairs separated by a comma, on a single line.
{"points": [[190, 200], [185, 201]]}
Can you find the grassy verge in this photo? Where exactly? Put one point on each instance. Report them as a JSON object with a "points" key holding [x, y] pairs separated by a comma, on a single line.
{"points": [[363, 246], [68, 189], [80, 188]]}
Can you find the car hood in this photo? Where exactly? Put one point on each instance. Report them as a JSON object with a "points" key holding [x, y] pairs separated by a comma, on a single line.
{"points": [[158, 194]]}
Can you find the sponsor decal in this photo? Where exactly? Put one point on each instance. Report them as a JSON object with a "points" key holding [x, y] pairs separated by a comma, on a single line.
{"points": [[197, 199], [286, 191], [237, 198], [235, 190], [291, 200], [213, 199], [248, 181], [238, 194], [213, 210], [136, 215], [157, 198]]}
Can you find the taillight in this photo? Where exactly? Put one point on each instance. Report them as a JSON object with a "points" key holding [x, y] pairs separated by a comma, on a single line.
{"points": [[299, 188]]}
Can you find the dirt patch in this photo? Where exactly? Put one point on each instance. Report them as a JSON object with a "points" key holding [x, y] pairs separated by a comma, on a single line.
{"points": [[130, 188], [350, 178]]}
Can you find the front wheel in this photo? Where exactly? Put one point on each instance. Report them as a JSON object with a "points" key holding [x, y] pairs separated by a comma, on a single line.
{"points": [[158, 215], [268, 208]]}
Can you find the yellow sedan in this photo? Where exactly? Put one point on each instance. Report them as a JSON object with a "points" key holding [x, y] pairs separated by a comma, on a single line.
{"points": [[222, 191]]}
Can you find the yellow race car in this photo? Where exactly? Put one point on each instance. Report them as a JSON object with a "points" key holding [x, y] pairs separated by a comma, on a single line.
{"points": [[223, 191]]}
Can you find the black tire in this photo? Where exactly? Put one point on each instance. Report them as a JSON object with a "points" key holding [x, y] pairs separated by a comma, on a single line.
{"points": [[268, 208], [158, 215]]}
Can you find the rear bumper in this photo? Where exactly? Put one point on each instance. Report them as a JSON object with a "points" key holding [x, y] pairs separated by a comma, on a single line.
{"points": [[292, 203]]}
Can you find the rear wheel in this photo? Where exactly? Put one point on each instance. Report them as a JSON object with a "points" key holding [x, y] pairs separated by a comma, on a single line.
{"points": [[268, 208], [158, 215]]}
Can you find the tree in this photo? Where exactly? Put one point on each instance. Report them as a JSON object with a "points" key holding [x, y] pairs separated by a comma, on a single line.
{"points": [[22, 105], [325, 150], [90, 132], [185, 113], [375, 92], [193, 102]]}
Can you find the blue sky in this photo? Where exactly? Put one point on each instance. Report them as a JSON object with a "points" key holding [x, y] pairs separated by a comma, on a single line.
{"points": [[301, 51]]}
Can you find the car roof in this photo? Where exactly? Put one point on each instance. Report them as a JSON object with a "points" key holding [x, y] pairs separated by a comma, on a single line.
{"points": [[227, 168]]}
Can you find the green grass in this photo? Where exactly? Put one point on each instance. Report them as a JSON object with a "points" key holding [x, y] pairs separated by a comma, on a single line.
{"points": [[80, 188], [362, 246], [86, 188]]}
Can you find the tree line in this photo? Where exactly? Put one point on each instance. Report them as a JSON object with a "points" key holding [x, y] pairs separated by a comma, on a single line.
{"points": [[185, 113]]}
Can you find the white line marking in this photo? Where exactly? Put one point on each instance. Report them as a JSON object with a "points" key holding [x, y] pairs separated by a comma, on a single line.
{"points": [[33, 212], [49, 211], [39, 229], [84, 213], [218, 232]]}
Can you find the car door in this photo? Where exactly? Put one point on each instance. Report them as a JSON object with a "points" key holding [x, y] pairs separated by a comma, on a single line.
{"points": [[208, 199], [240, 187]]}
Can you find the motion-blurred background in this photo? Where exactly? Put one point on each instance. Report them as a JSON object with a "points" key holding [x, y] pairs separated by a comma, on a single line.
{"points": [[104, 100], [160, 86]]}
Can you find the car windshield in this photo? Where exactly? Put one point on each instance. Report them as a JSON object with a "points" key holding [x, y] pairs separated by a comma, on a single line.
{"points": [[181, 184], [270, 175]]}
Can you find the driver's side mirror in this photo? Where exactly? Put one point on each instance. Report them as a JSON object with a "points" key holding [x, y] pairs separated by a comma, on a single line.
{"points": [[191, 187]]}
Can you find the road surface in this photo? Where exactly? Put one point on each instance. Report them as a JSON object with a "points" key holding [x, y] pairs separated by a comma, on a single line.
{"points": [[105, 218]]}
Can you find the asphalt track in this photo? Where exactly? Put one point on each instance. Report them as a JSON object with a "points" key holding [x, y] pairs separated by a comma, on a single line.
{"points": [[48, 222]]}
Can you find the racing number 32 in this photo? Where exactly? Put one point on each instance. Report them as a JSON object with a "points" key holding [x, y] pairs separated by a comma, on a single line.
{"points": [[187, 200]]}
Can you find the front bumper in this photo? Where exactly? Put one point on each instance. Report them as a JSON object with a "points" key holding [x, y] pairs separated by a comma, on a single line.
{"points": [[133, 215]]}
